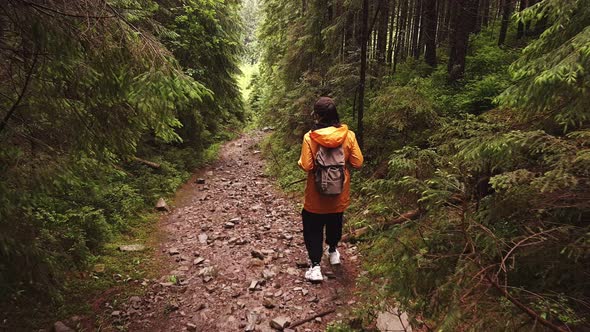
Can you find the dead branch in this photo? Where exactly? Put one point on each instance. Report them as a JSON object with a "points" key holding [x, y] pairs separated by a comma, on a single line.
{"points": [[147, 163], [407, 216], [530, 312], [310, 318], [21, 94]]}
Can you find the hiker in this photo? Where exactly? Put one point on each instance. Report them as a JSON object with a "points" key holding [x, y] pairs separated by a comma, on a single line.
{"points": [[325, 151]]}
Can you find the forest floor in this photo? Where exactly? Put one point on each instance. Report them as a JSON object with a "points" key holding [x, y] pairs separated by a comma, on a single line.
{"points": [[234, 257]]}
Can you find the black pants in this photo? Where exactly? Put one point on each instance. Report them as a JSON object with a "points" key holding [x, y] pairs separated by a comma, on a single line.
{"points": [[313, 232]]}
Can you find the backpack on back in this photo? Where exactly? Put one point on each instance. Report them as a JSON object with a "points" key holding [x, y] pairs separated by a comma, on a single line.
{"points": [[329, 170]]}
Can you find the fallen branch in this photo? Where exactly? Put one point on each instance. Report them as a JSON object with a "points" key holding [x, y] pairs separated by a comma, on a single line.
{"points": [[147, 163], [294, 182], [410, 215], [530, 312], [305, 320]]}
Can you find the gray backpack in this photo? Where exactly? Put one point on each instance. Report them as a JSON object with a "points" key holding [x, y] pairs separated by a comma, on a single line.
{"points": [[329, 170]]}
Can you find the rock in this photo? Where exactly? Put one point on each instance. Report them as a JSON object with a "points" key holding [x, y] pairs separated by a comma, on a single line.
{"points": [[304, 292], [280, 323], [161, 205], [208, 271], [229, 225], [252, 318], [267, 274], [173, 251], [191, 327], [200, 181], [132, 247], [389, 321], [209, 173], [61, 327], [98, 268], [235, 220], [253, 285], [198, 260], [318, 320], [203, 238], [257, 254], [116, 314], [292, 271], [267, 303], [302, 265]]}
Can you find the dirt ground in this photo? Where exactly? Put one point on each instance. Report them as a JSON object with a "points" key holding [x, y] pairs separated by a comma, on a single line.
{"points": [[236, 257]]}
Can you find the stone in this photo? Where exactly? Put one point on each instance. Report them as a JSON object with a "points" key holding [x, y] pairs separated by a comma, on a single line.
{"points": [[229, 225], [173, 251], [61, 327], [267, 274], [302, 265], [132, 247], [252, 318], [191, 327], [116, 313], [235, 220], [390, 321], [209, 173], [161, 205], [203, 238], [208, 271], [267, 303], [253, 285], [200, 181], [257, 254], [280, 323], [198, 260]]}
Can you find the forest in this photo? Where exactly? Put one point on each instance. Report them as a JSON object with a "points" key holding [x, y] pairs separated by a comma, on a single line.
{"points": [[472, 212], [473, 117]]}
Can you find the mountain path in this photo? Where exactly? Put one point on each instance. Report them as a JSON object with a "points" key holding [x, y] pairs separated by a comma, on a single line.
{"points": [[236, 258]]}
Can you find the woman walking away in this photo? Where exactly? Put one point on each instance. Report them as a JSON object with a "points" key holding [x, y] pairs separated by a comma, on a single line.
{"points": [[325, 152]]}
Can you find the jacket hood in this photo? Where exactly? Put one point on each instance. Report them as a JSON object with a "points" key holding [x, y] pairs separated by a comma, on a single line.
{"points": [[330, 137]]}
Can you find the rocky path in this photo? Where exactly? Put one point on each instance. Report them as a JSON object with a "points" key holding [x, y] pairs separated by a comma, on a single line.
{"points": [[236, 257]]}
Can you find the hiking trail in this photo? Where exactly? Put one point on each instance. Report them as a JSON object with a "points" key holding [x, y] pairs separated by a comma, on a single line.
{"points": [[235, 258]]}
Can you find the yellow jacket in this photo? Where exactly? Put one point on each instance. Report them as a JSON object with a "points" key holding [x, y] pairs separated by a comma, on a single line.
{"points": [[329, 137]]}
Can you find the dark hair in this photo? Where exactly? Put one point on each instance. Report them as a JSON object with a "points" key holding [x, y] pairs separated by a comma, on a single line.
{"points": [[325, 109]]}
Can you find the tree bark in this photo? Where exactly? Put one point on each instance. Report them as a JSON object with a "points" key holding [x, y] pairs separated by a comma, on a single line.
{"points": [[506, 11], [416, 29], [462, 24], [382, 32], [429, 27], [363, 70]]}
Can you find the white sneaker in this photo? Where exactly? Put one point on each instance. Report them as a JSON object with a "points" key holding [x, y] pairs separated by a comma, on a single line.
{"points": [[334, 257], [314, 274]]}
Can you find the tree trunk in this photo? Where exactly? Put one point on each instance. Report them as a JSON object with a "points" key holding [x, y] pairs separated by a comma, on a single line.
{"points": [[506, 11], [401, 27], [520, 29], [462, 24], [429, 27], [391, 33], [382, 32], [364, 24], [416, 29]]}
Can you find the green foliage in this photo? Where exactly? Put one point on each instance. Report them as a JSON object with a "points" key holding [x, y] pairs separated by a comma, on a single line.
{"points": [[551, 77], [496, 162], [84, 90]]}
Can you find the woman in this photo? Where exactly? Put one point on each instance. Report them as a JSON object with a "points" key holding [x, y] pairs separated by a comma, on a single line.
{"points": [[325, 211]]}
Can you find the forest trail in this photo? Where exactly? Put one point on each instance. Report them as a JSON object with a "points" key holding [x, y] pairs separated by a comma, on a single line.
{"points": [[236, 248]]}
